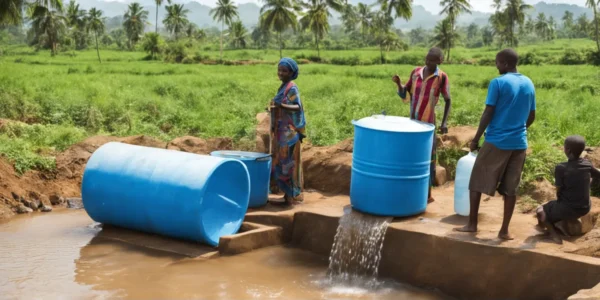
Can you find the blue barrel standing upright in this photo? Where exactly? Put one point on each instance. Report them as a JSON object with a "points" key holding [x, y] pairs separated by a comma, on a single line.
{"points": [[177, 194], [391, 165], [259, 168]]}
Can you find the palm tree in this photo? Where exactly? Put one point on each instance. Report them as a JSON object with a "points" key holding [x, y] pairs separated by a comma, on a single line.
{"points": [[444, 37], [95, 23], [225, 12], [75, 16], [11, 12], [49, 23], [403, 8], [261, 36], [237, 34], [349, 18], [152, 43], [453, 8], [568, 20], [365, 18], [279, 15], [158, 4], [582, 26], [487, 35], [176, 19], [315, 20], [593, 4], [133, 22], [541, 26], [380, 29], [551, 28], [515, 13]]}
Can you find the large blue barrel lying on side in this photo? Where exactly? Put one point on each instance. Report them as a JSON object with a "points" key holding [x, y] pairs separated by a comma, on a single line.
{"points": [[259, 168], [391, 166], [182, 195]]}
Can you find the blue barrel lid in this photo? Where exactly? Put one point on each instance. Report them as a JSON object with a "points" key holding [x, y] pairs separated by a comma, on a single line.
{"points": [[393, 124], [240, 155]]}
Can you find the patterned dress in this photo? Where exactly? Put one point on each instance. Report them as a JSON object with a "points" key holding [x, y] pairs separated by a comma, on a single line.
{"points": [[424, 96], [287, 132]]}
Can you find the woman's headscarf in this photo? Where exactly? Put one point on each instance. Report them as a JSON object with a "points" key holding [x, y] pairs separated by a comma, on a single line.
{"points": [[291, 65]]}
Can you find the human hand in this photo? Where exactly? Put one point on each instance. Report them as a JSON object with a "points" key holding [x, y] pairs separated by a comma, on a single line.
{"points": [[396, 79], [474, 145]]}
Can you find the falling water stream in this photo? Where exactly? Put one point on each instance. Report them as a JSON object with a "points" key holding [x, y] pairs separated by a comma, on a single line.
{"points": [[356, 251]]}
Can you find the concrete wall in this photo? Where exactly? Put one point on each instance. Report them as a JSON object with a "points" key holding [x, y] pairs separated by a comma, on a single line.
{"points": [[462, 269]]}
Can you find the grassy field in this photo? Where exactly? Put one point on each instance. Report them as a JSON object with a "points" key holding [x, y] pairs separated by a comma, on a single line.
{"points": [[72, 96]]}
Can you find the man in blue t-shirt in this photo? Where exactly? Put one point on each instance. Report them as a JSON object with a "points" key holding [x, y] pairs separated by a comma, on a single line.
{"points": [[509, 111]]}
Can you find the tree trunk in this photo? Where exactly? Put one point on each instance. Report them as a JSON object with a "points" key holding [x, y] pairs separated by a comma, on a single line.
{"points": [[156, 30], [450, 41], [222, 27], [280, 46], [97, 50], [596, 23], [381, 53]]}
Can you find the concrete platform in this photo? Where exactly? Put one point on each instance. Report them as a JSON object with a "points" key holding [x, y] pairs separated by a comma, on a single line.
{"points": [[425, 251]]}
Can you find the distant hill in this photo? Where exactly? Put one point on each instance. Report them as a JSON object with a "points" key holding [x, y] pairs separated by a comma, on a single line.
{"points": [[249, 13]]}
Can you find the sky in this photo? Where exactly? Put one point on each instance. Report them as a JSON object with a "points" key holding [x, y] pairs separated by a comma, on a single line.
{"points": [[430, 5]]}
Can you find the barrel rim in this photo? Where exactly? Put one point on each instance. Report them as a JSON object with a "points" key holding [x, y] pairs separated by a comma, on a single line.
{"points": [[238, 155], [209, 237], [430, 127]]}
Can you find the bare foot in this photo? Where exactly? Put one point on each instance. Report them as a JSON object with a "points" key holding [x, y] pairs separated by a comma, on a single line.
{"points": [[430, 200], [467, 228], [540, 228], [505, 236]]}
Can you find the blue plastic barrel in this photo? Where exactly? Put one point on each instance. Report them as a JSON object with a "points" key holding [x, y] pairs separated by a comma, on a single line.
{"points": [[259, 168], [391, 165], [182, 195]]}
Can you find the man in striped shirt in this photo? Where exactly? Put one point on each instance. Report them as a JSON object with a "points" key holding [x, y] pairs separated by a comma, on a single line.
{"points": [[425, 86]]}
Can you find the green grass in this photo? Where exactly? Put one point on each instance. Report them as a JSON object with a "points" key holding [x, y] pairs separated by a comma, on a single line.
{"points": [[75, 96]]}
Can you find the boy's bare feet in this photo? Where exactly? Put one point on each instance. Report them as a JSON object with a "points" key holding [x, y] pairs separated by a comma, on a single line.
{"points": [[555, 236], [430, 200], [505, 236], [467, 228]]}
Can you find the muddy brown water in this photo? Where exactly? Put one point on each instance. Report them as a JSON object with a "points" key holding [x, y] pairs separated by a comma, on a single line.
{"points": [[62, 255]]}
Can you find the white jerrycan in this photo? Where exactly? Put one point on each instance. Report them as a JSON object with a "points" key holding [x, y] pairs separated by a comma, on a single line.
{"points": [[464, 167]]}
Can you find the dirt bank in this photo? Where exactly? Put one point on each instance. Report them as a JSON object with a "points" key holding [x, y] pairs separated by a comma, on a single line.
{"points": [[42, 190]]}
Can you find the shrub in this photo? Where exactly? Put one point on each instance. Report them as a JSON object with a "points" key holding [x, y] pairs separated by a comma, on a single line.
{"points": [[573, 57], [530, 58]]}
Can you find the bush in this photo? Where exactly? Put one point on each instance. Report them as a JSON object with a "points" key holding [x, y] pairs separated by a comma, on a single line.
{"points": [[573, 57], [346, 61], [487, 62], [530, 58], [593, 57]]}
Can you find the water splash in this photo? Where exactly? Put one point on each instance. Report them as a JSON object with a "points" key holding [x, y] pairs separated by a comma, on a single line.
{"points": [[356, 250]]}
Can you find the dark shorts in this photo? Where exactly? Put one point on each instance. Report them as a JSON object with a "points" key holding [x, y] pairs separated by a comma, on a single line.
{"points": [[497, 170], [557, 211]]}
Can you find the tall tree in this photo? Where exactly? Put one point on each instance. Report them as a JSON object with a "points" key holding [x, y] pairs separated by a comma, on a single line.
{"points": [[279, 15], [593, 4], [133, 22], [49, 23], [261, 36], [444, 37], [176, 19], [95, 23], [152, 43], [11, 11], [380, 29], [402, 8], [453, 8], [158, 4], [349, 18], [225, 12], [487, 35], [583, 26], [315, 20], [238, 34], [515, 13], [551, 29], [568, 20], [472, 31], [75, 16], [541, 26], [417, 36], [365, 19]]}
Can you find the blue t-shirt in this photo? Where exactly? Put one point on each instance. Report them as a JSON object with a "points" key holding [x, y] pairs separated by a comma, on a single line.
{"points": [[513, 95]]}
